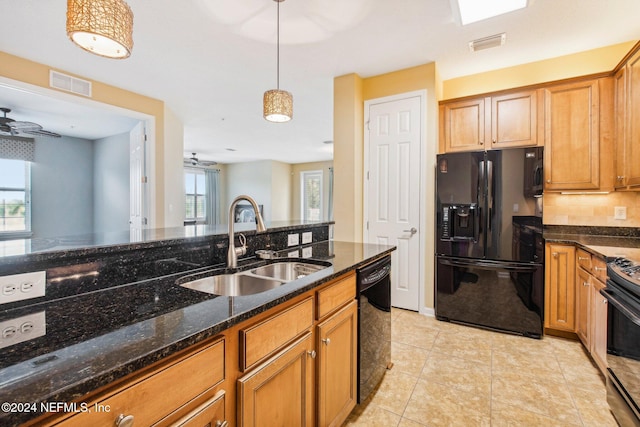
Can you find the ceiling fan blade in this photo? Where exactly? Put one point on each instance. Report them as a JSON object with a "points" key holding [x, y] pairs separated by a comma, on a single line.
{"points": [[42, 132], [24, 126]]}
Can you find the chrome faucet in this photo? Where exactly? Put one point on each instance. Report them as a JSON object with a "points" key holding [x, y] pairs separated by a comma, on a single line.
{"points": [[233, 252]]}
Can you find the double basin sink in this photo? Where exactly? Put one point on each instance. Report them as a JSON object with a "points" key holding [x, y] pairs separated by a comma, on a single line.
{"points": [[255, 280]]}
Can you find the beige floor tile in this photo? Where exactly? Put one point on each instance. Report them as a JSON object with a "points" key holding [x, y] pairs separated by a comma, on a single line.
{"points": [[372, 415], [535, 363], [466, 345], [503, 415], [592, 406], [405, 422], [414, 334], [541, 395], [461, 374], [408, 359], [440, 405], [394, 391]]}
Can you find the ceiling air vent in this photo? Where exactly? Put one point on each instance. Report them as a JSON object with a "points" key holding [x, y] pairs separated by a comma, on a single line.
{"points": [[488, 42], [67, 83]]}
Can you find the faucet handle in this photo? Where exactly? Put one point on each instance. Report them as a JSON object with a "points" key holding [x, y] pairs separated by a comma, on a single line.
{"points": [[243, 240]]}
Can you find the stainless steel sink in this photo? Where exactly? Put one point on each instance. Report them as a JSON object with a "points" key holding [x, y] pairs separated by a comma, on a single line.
{"points": [[287, 270], [233, 284], [254, 281]]}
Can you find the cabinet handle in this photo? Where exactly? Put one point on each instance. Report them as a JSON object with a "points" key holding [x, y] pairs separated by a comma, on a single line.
{"points": [[312, 353], [581, 258], [222, 423], [620, 178], [327, 341], [124, 420], [599, 268], [585, 283]]}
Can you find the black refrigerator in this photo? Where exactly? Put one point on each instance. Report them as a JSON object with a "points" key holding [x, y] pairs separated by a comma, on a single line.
{"points": [[481, 278]]}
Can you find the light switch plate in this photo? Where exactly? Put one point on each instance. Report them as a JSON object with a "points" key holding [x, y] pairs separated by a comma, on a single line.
{"points": [[18, 287], [22, 329], [293, 254], [293, 240], [307, 252], [307, 237]]}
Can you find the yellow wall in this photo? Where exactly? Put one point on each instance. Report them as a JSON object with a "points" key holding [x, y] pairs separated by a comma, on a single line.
{"points": [[350, 92], [37, 74], [579, 64]]}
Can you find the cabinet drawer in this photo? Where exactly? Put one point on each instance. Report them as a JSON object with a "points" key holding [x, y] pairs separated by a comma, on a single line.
{"points": [[261, 340], [599, 268], [583, 259], [157, 395], [210, 413], [336, 295]]}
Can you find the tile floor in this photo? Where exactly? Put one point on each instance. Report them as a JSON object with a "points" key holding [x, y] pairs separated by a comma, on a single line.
{"points": [[451, 375]]}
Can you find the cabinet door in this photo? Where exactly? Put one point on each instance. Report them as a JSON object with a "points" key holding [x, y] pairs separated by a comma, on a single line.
{"points": [[620, 108], [279, 392], [210, 413], [560, 287], [599, 341], [583, 306], [571, 137], [464, 125], [337, 366], [514, 120], [632, 146]]}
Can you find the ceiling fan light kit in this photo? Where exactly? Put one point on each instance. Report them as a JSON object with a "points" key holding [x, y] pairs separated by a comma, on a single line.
{"points": [[277, 105], [102, 27]]}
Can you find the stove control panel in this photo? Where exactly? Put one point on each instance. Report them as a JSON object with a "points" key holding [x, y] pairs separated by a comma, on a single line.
{"points": [[625, 272]]}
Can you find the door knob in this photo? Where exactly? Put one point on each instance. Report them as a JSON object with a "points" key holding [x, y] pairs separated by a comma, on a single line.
{"points": [[413, 231]]}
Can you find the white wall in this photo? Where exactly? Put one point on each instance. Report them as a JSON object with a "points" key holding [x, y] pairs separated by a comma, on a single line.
{"points": [[62, 187], [111, 183]]}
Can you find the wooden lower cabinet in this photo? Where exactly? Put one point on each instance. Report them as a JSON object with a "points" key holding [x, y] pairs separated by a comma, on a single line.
{"points": [[280, 391], [210, 413], [599, 329], [337, 366], [583, 306], [560, 287]]}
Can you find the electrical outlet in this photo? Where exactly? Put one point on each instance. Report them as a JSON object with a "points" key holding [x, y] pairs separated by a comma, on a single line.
{"points": [[307, 237], [293, 240], [294, 254], [22, 329], [620, 212], [18, 287]]}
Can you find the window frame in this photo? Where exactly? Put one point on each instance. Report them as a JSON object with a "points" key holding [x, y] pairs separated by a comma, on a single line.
{"points": [[303, 178], [27, 232], [195, 172]]}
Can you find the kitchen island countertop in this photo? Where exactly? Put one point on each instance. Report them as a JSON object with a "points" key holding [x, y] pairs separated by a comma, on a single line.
{"points": [[96, 338]]}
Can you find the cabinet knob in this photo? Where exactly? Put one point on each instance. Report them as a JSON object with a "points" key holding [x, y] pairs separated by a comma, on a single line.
{"points": [[599, 268], [124, 420], [481, 142], [582, 258], [555, 254], [327, 341], [222, 423], [585, 283], [620, 178], [604, 301], [312, 353], [548, 181]]}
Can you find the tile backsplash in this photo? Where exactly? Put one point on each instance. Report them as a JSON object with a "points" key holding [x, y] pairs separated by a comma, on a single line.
{"points": [[591, 209]]}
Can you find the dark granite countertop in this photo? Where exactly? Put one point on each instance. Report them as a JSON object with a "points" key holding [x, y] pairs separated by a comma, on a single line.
{"points": [[98, 337], [606, 242]]}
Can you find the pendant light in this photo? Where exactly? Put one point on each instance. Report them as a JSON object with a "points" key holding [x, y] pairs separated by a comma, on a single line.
{"points": [[277, 104], [103, 27]]}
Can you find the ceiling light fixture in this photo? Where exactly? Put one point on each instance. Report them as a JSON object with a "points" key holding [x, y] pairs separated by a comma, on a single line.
{"points": [[474, 10], [277, 104], [103, 27]]}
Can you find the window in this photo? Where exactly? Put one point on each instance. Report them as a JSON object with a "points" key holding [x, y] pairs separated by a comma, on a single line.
{"points": [[311, 187], [195, 193], [15, 198]]}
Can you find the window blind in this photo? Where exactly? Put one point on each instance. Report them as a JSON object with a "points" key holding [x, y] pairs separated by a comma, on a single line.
{"points": [[17, 148]]}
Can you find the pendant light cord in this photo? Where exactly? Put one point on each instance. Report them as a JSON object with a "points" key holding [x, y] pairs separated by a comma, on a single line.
{"points": [[278, 49]]}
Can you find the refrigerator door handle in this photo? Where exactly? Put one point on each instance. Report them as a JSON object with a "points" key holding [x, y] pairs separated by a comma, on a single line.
{"points": [[490, 192]]}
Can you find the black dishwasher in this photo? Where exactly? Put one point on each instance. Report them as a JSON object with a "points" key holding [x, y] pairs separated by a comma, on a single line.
{"points": [[374, 324]]}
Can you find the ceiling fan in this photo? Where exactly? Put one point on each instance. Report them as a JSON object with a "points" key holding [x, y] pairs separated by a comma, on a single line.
{"points": [[193, 161], [16, 128]]}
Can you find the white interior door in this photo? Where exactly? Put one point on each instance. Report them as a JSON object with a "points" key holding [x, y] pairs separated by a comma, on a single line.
{"points": [[392, 191], [137, 181]]}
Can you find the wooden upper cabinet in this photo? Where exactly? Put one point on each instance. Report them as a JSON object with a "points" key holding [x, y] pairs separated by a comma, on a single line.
{"points": [[463, 125], [620, 106], [631, 155], [485, 123], [572, 136], [514, 120]]}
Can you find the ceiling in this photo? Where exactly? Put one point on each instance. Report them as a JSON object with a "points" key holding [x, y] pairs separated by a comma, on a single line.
{"points": [[210, 61]]}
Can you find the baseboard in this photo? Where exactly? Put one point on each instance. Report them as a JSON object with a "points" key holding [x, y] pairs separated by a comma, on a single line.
{"points": [[427, 311]]}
